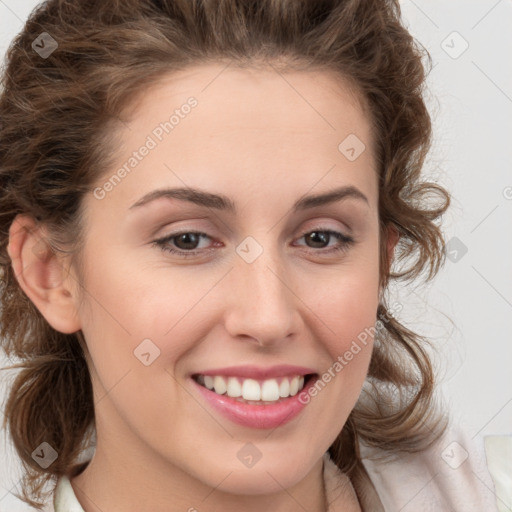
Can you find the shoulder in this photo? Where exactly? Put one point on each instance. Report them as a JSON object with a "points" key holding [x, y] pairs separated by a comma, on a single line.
{"points": [[451, 474]]}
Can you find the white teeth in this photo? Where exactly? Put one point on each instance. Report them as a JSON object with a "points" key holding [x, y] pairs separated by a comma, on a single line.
{"points": [[234, 388], [284, 388], [208, 381], [294, 386], [251, 390], [220, 385], [269, 390]]}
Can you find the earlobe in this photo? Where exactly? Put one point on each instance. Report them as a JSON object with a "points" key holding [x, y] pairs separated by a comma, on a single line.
{"points": [[42, 275]]}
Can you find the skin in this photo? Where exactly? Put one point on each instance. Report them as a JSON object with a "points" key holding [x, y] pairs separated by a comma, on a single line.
{"points": [[263, 143]]}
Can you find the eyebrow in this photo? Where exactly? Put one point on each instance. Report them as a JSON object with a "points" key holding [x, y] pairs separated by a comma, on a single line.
{"points": [[221, 202]]}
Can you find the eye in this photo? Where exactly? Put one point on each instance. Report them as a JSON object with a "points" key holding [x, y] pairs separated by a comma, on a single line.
{"points": [[185, 243], [320, 237]]}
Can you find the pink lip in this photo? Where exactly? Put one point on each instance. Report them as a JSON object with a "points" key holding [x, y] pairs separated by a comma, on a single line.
{"points": [[257, 416], [259, 373]]}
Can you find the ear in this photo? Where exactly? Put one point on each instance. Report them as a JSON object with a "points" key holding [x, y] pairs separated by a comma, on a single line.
{"points": [[43, 274]]}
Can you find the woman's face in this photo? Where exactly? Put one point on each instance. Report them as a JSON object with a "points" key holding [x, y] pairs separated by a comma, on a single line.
{"points": [[258, 289]]}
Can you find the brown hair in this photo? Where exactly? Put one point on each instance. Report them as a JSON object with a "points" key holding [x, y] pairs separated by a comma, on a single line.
{"points": [[55, 116]]}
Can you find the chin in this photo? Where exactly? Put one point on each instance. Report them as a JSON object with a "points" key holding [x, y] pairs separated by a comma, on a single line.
{"points": [[249, 482], [262, 478]]}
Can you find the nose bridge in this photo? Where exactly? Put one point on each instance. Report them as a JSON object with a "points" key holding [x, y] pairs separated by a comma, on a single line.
{"points": [[262, 304]]}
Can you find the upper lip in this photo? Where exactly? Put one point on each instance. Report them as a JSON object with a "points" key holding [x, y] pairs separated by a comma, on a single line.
{"points": [[258, 372]]}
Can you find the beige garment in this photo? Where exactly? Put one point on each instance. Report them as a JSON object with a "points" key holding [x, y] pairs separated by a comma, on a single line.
{"points": [[452, 475]]}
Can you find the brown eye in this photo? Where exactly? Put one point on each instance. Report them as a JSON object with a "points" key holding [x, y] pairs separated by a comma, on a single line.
{"points": [[187, 241], [320, 238], [183, 244]]}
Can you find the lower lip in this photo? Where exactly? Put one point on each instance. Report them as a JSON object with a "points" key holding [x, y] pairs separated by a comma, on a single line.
{"points": [[257, 416]]}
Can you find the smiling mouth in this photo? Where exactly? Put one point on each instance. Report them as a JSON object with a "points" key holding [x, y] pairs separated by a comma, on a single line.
{"points": [[252, 391]]}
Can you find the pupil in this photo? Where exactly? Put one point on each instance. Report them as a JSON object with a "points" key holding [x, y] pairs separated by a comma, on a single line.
{"points": [[324, 237], [186, 237]]}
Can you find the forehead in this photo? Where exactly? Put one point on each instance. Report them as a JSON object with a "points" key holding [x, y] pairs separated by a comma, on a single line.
{"points": [[260, 97], [256, 125]]}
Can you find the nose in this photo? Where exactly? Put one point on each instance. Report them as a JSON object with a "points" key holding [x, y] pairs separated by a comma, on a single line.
{"points": [[262, 305]]}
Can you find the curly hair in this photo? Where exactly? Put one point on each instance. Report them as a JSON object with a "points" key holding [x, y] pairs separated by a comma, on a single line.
{"points": [[56, 115]]}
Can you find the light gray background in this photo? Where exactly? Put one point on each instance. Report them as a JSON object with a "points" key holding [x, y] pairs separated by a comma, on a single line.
{"points": [[467, 311]]}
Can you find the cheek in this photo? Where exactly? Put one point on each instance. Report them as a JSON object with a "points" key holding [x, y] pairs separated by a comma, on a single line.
{"points": [[130, 302], [346, 311], [348, 304], [117, 315], [350, 313]]}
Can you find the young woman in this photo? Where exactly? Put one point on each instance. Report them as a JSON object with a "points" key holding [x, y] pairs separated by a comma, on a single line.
{"points": [[201, 204]]}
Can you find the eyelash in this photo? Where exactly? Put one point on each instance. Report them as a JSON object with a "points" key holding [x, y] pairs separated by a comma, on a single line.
{"points": [[346, 242]]}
